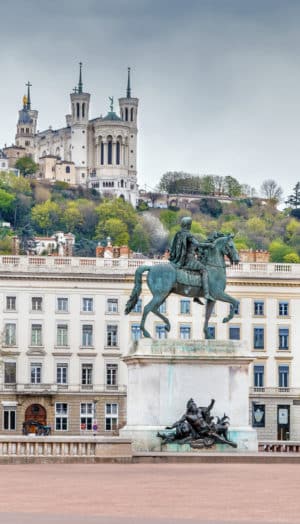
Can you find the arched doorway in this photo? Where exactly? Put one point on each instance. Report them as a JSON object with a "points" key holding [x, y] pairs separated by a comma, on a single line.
{"points": [[36, 413]]}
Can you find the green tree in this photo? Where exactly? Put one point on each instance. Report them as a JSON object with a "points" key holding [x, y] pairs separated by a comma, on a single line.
{"points": [[291, 258], [169, 218], [278, 250], [115, 229], [232, 187], [293, 200], [72, 218], [140, 241], [6, 203], [119, 209], [26, 166], [47, 216]]}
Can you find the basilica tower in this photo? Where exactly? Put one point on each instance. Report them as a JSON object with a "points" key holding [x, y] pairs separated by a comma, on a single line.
{"points": [[26, 125], [80, 102], [128, 110]]}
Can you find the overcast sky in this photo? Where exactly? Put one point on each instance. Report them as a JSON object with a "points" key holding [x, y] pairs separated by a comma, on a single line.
{"points": [[218, 80]]}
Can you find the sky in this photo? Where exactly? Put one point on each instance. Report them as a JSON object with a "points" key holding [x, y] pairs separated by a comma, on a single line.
{"points": [[217, 80]]}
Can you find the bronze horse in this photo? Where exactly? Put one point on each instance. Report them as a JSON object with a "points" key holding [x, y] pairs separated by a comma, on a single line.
{"points": [[162, 281]]}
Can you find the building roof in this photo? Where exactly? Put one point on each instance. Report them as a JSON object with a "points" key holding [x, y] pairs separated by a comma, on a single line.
{"points": [[24, 117], [111, 115]]}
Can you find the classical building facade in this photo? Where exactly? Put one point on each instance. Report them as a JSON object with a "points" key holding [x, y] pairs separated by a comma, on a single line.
{"points": [[99, 152], [64, 333]]}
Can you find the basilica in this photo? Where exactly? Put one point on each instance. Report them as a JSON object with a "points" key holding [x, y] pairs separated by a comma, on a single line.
{"points": [[100, 153]]}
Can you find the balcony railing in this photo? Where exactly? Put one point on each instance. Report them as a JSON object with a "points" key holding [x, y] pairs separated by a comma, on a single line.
{"points": [[59, 388], [274, 391], [37, 264]]}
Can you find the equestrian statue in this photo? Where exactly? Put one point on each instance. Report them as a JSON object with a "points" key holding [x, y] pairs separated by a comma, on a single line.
{"points": [[195, 269]]}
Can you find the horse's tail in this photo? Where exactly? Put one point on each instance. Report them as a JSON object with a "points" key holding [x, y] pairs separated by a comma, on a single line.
{"points": [[137, 288]]}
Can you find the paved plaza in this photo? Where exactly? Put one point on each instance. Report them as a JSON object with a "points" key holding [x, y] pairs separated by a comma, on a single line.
{"points": [[149, 493]]}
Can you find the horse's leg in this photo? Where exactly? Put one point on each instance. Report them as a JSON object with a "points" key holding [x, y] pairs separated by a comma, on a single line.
{"points": [[208, 311], [153, 306], [232, 301]]}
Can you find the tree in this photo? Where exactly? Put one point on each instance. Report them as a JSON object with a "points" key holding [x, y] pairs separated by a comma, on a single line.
{"points": [[293, 200], [6, 203], [291, 258], [139, 241], [119, 209], [72, 217], [210, 206], [272, 191], [278, 250], [26, 166], [115, 229], [232, 187], [47, 216]]}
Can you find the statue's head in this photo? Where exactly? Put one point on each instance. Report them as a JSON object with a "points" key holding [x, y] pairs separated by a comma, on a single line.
{"points": [[186, 223], [191, 405]]}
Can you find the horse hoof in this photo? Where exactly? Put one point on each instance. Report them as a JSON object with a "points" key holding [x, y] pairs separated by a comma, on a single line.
{"points": [[226, 319], [168, 327], [146, 334]]}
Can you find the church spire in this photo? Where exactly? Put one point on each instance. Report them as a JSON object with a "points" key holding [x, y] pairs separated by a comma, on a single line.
{"points": [[80, 85], [128, 92], [28, 102]]}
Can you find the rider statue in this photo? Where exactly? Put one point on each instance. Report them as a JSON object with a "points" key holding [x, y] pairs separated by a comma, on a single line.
{"points": [[182, 253]]}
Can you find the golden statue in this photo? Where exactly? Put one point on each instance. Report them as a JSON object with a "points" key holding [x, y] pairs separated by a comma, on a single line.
{"points": [[24, 100]]}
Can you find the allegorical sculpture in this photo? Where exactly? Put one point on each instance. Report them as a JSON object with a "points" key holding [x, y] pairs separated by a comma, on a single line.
{"points": [[198, 428], [195, 269]]}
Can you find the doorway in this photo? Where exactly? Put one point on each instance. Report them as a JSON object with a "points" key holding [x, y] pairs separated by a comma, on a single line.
{"points": [[36, 413], [283, 422]]}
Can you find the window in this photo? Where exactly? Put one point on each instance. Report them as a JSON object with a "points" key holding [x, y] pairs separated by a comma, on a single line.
{"points": [[112, 335], [63, 304], [211, 332], [109, 151], [62, 335], [283, 309], [185, 307], [68, 169], [234, 333], [111, 417], [36, 303], [9, 418], [36, 373], [87, 335], [10, 334], [87, 305], [10, 373], [258, 376], [259, 307], [112, 305], [185, 332], [135, 332], [11, 303], [138, 307], [161, 331], [118, 148], [163, 308], [102, 154], [87, 374], [283, 342], [283, 376], [62, 374], [61, 416], [111, 374], [258, 338], [36, 335], [86, 415]]}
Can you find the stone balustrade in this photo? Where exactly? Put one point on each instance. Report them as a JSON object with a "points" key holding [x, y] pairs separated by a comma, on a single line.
{"points": [[36, 264], [64, 448]]}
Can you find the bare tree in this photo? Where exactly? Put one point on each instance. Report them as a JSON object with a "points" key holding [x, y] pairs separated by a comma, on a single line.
{"points": [[272, 191]]}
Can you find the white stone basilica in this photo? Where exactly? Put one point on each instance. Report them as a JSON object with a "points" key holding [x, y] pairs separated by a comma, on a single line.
{"points": [[99, 153]]}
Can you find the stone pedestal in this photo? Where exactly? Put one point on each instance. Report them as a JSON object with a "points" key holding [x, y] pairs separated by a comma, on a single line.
{"points": [[164, 374]]}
